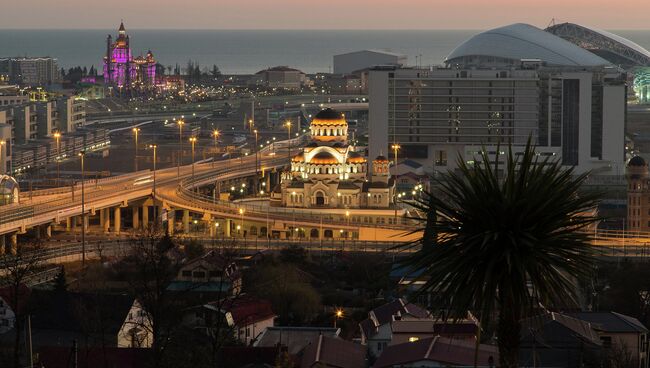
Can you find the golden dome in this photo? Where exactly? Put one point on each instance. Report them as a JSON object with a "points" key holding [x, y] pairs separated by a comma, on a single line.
{"points": [[381, 159], [329, 117], [324, 158], [355, 158]]}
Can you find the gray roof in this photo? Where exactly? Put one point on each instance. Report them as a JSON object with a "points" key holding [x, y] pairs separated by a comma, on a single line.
{"points": [[611, 321], [294, 338], [523, 41]]}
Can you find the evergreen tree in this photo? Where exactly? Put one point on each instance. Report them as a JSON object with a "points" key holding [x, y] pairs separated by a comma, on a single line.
{"points": [[216, 73]]}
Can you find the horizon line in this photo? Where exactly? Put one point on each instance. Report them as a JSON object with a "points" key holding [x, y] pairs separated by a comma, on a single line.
{"points": [[277, 29]]}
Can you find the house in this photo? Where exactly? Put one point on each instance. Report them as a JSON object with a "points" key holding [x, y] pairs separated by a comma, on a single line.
{"points": [[246, 316], [625, 337], [12, 301], [91, 319], [436, 352], [376, 329], [295, 339], [558, 340], [410, 330], [136, 330], [211, 274], [333, 352]]}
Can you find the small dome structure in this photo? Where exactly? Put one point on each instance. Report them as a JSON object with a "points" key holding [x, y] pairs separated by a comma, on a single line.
{"points": [[324, 158], [636, 161], [355, 158], [329, 117], [381, 158]]}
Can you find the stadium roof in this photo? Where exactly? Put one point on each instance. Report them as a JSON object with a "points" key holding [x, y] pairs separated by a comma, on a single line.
{"points": [[610, 46], [523, 41]]}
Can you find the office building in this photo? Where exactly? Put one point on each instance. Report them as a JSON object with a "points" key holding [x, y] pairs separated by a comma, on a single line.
{"points": [[32, 71], [498, 88], [351, 62], [280, 77]]}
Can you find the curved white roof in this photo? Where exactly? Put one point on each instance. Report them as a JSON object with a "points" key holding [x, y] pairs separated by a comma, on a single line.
{"points": [[623, 41], [523, 41]]}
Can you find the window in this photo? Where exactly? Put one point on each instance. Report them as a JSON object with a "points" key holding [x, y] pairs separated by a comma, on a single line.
{"points": [[413, 339], [187, 273]]}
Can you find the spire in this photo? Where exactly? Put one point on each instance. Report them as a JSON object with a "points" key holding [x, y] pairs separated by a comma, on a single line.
{"points": [[122, 30]]}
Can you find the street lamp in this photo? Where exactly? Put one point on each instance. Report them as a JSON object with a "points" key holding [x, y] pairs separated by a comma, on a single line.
{"points": [[215, 134], [180, 140], [241, 218], [135, 132], [193, 141], [288, 125], [257, 150], [395, 148], [153, 146], [337, 315], [82, 154], [57, 136], [347, 216]]}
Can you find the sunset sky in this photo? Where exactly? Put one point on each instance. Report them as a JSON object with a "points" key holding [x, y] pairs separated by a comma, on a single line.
{"points": [[329, 14]]}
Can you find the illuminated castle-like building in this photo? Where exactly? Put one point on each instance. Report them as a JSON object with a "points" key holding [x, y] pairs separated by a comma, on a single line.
{"points": [[328, 173], [122, 70]]}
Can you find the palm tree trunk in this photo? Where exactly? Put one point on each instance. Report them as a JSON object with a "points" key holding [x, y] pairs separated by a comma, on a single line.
{"points": [[508, 331]]}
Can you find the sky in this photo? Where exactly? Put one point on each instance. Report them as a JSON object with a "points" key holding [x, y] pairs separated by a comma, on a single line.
{"points": [[313, 14]]}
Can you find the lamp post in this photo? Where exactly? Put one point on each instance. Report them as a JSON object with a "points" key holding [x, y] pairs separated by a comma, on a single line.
{"points": [[241, 219], [4, 165], [193, 141], [180, 141], [82, 154], [288, 125], [395, 148], [154, 147], [215, 135], [135, 158], [338, 314], [57, 136], [257, 149], [347, 217]]}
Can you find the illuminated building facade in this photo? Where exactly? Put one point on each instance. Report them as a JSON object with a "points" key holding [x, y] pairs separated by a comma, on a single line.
{"points": [[122, 70], [329, 173]]}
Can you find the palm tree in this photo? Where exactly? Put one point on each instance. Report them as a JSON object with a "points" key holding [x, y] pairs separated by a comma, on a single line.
{"points": [[508, 239]]}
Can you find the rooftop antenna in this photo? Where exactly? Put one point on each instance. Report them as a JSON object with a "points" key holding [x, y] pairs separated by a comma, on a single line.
{"points": [[551, 23]]}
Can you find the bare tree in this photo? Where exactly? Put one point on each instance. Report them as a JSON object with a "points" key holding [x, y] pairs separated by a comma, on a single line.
{"points": [[17, 269]]}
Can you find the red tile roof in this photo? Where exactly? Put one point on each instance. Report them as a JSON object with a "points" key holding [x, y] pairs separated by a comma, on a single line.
{"points": [[247, 310]]}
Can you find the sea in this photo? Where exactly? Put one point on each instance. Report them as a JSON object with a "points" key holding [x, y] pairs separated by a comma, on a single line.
{"points": [[245, 51]]}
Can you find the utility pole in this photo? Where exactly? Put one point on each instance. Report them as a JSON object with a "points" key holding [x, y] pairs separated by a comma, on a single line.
{"points": [[82, 154]]}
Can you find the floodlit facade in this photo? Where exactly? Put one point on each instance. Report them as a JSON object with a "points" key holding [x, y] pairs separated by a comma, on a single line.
{"points": [[329, 173], [502, 87], [122, 70]]}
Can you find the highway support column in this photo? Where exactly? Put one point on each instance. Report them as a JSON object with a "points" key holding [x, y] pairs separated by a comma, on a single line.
{"points": [[186, 221], [117, 220], [145, 217], [136, 217]]}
